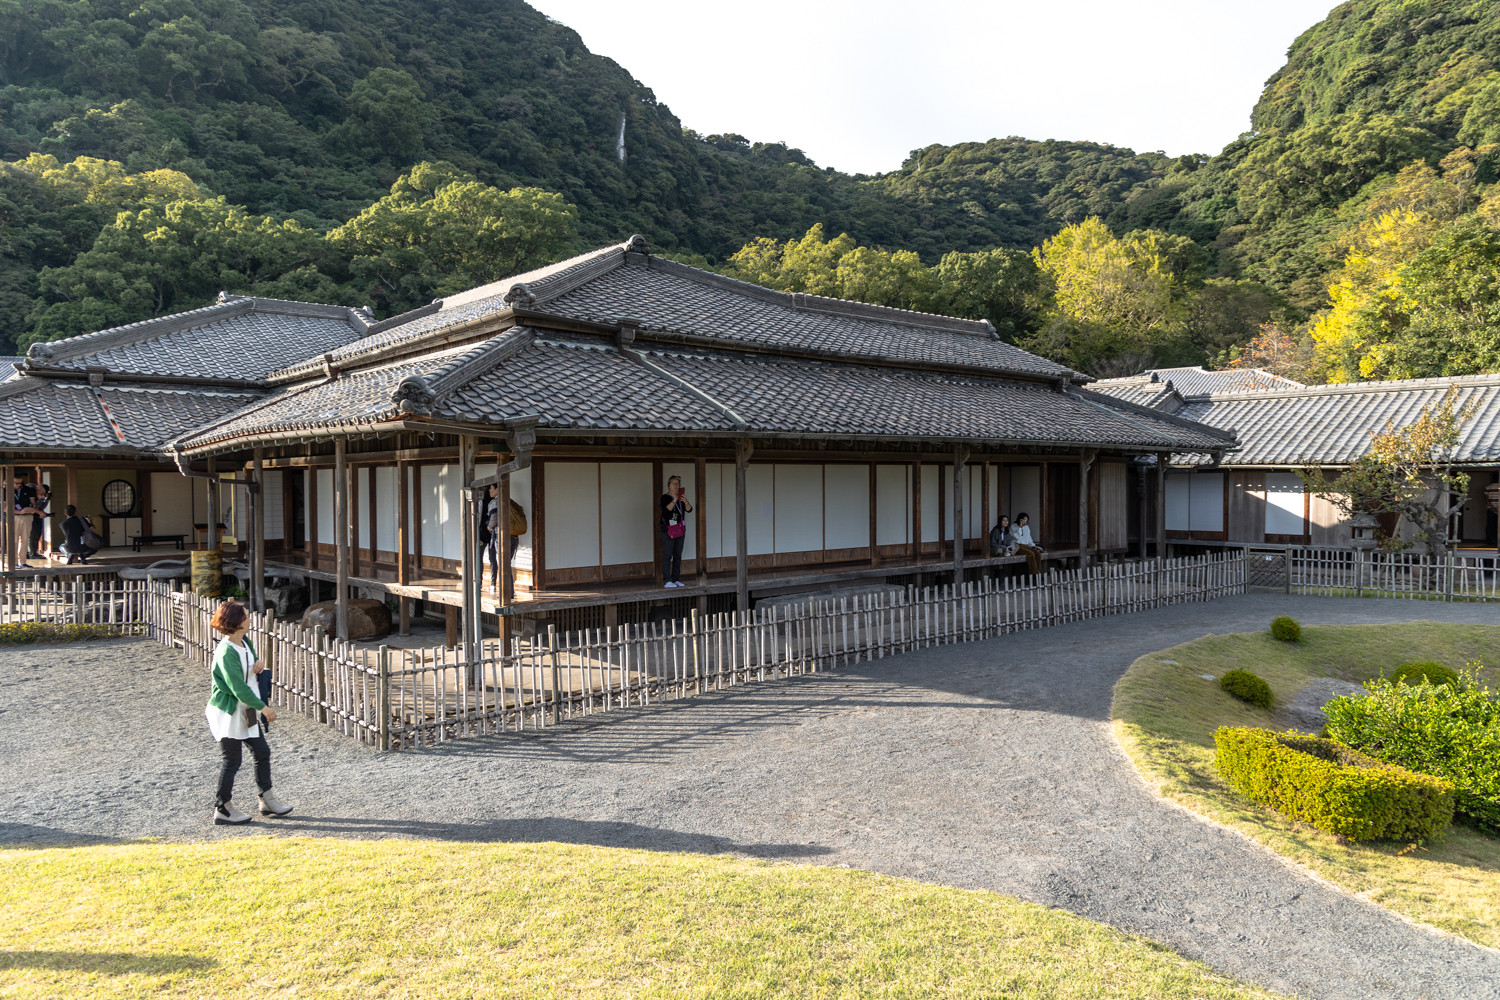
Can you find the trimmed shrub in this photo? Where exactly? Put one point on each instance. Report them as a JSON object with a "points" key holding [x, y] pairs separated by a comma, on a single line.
{"points": [[1286, 629], [1247, 687], [1451, 731], [1432, 673], [21, 633], [1332, 787]]}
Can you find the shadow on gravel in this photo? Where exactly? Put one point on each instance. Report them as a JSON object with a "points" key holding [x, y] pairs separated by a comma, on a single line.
{"points": [[543, 829], [29, 835], [105, 963]]}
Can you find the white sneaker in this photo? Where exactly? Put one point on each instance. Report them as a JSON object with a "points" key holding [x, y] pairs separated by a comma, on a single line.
{"points": [[270, 805], [228, 815], [669, 586]]}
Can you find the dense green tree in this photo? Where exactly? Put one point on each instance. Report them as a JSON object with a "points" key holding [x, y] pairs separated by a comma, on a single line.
{"points": [[178, 255], [440, 231]]}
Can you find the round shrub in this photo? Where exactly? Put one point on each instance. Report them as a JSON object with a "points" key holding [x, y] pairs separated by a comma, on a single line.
{"points": [[1247, 687], [1286, 629], [1433, 673]]}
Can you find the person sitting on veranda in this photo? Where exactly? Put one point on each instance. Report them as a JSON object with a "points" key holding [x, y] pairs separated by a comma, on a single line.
{"points": [[1000, 543], [1020, 538]]}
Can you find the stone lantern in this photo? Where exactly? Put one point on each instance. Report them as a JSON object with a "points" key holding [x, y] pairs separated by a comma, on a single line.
{"points": [[1362, 531]]}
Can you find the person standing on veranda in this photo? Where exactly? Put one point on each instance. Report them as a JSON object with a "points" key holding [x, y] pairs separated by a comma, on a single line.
{"points": [[231, 712], [23, 509], [672, 526]]}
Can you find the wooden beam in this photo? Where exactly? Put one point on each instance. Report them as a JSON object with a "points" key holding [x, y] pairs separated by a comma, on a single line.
{"points": [[341, 532], [8, 530], [1141, 497], [700, 520], [743, 449], [505, 591], [656, 552]]}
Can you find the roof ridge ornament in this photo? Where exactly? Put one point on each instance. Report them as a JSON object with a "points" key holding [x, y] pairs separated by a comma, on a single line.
{"points": [[637, 244], [414, 395], [520, 294]]}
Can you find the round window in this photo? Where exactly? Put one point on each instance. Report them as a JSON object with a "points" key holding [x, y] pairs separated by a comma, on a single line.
{"points": [[119, 497]]}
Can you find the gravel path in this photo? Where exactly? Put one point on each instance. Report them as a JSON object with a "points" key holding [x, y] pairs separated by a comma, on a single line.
{"points": [[989, 765]]}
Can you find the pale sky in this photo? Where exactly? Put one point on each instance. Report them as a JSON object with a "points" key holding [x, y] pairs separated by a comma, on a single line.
{"points": [[857, 84]]}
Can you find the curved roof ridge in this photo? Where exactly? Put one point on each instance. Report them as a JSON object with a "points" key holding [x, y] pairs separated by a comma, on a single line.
{"points": [[1352, 388], [541, 279]]}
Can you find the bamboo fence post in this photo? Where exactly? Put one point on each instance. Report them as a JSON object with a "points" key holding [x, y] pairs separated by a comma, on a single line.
{"points": [[552, 645], [322, 674], [384, 698]]}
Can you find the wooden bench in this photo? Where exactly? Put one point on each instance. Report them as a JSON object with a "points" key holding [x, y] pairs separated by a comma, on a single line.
{"points": [[139, 540]]}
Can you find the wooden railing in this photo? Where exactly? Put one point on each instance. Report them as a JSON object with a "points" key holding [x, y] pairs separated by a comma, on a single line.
{"points": [[398, 698]]}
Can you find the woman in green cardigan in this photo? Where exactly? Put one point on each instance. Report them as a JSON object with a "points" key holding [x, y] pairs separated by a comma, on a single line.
{"points": [[231, 712]]}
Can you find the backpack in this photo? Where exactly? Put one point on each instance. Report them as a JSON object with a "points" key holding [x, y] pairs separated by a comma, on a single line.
{"points": [[517, 519]]}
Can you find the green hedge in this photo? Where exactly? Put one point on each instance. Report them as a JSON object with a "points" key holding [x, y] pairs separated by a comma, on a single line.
{"points": [[1452, 731], [1247, 687], [21, 633], [1428, 670], [1286, 629], [1332, 787]]}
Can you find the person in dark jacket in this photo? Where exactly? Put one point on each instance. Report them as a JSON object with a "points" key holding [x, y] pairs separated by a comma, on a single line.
{"points": [[41, 507], [73, 528], [672, 525]]}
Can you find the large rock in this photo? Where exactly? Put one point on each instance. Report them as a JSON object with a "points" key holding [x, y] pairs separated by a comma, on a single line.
{"points": [[368, 619], [286, 598]]}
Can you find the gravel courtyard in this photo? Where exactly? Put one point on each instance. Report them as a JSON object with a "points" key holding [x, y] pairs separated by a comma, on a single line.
{"points": [[989, 765]]}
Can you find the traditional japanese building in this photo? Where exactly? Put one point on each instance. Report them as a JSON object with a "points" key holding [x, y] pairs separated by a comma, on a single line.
{"points": [[821, 442]]}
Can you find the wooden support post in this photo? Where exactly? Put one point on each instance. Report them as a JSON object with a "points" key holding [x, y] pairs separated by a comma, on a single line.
{"points": [[1141, 501], [310, 486], [468, 533], [743, 449], [258, 534], [505, 589], [960, 459], [700, 519], [403, 542], [211, 540], [341, 532], [143, 487], [353, 520], [1163, 460], [450, 625], [984, 520], [1084, 465], [874, 534], [916, 510], [8, 530]]}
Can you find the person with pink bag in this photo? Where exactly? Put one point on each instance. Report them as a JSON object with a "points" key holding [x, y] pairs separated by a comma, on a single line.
{"points": [[673, 526]]}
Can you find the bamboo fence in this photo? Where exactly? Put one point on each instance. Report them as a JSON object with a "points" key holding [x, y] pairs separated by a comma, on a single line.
{"points": [[1331, 572], [97, 599], [395, 698]]}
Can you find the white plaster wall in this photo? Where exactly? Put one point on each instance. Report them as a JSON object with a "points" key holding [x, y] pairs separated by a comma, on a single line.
{"points": [[572, 507], [892, 504], [627, 512], [846, 506]]}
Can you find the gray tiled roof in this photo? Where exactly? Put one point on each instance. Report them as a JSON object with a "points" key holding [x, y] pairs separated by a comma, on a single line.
{"points": [[475, 304], [1199, 381], [1332, 423], [674, 301], [674, 298], [1152, 395], [235, 340], [47, 415], [584, 384]]}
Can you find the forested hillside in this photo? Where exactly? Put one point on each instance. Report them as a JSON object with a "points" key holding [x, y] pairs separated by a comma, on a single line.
{"points": [[382, 152]]}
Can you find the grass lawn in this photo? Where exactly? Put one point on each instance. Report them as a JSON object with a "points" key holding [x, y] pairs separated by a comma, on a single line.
{"points": [[1165, 715], [278, 916]]}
